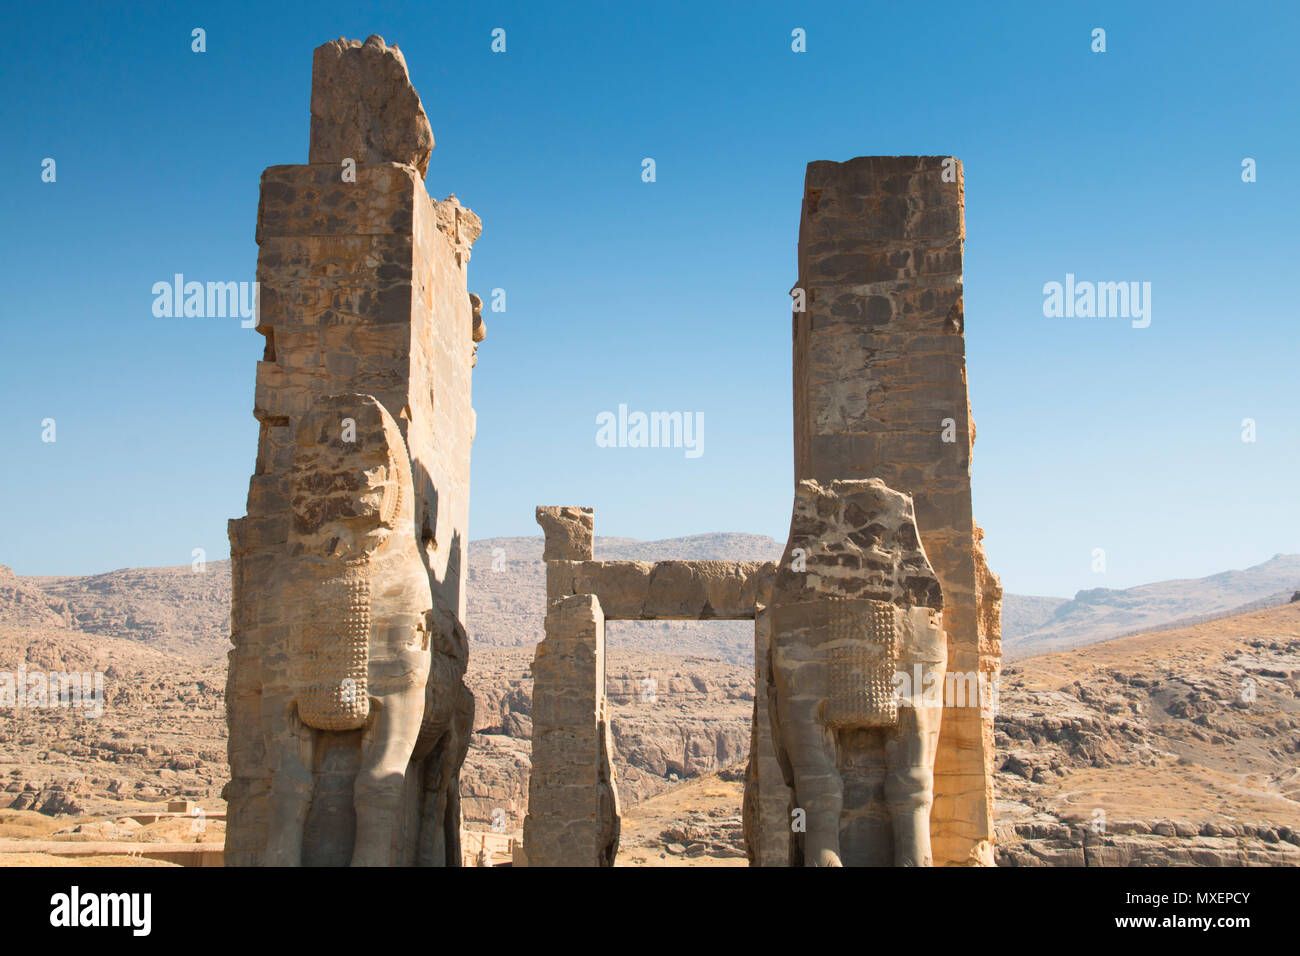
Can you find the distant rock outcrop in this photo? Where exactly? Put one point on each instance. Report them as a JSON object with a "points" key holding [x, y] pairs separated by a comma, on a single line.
{"points": [[25, 605], [182, 610], [1099, 614]]}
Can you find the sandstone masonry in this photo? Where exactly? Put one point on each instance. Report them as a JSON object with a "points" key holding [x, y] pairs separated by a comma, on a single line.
{"points": [[363, 290], [880, 392]]}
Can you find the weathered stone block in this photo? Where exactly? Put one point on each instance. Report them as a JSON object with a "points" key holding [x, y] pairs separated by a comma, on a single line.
{"points": [[569, 532], [364, 107]]}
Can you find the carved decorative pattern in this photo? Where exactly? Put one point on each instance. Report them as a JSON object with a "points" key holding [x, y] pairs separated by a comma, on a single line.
{"points": [[862, 658], [333, 657]]}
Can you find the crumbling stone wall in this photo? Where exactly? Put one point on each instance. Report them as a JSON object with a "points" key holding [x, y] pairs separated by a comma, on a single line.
{"points": [[363, 282], [880, 392]]}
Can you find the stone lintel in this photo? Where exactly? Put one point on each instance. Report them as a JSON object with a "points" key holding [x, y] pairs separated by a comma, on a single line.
{"points": [[664, 590]]}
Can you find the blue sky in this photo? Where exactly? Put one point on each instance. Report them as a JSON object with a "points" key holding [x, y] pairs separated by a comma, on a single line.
{"points": [[672, 295]]}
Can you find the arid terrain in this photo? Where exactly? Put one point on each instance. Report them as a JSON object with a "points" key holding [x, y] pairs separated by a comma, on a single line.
{"points": [[1181, 745], [1177, 746]]}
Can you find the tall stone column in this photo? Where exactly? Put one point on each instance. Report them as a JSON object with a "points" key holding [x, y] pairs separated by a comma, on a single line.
{"points": [[363, 282], [880, 392], [573, 812]]}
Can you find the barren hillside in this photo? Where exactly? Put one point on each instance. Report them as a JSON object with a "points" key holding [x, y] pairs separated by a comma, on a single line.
{"points": [[1177, 746]]}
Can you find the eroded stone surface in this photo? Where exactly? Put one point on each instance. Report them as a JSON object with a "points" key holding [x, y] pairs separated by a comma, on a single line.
{"points": [[568, 532], [664, 590], [880, 392], [856, 640], [364, 108], [363, 291]]}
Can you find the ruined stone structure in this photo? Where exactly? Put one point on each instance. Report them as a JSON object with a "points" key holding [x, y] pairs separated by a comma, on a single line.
{"points": [[897, 583], [855, 646], [347, 712], [880, 392], [572, 801]]}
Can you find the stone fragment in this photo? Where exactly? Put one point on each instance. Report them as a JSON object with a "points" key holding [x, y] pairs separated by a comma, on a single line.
{"points": [[364, 108], [568, 532]]}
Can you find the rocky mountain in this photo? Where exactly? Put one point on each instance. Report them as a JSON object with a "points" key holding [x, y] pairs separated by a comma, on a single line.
{"points": [[23, 604], [183, 610], [1098, 614], [1024, 613], [157, 732]]}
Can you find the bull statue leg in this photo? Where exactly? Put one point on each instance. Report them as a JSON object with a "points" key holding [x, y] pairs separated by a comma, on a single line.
{"points": [[911, 749], [291, 783], [810, 751], [443, 742], [909, 785], [855, 621], [386, 750]]}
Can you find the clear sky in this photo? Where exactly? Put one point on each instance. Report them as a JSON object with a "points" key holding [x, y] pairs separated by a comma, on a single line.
{"points": [[1117, 166]]}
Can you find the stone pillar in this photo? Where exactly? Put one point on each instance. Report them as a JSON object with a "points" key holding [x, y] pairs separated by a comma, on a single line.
{"points": [[767, 798], [573, 815], [880, 392], [363, 286]]}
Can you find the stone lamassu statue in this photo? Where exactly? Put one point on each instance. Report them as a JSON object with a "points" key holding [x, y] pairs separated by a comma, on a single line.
{"points": [[356, 612], [857, 661]]}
